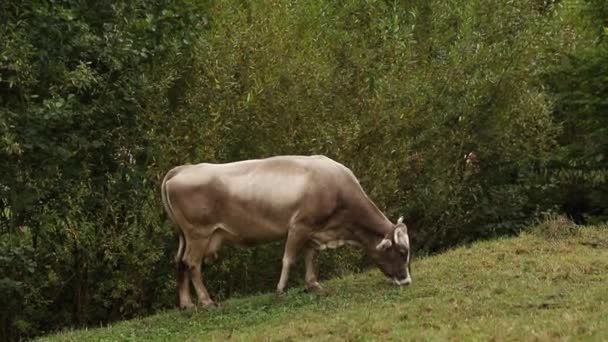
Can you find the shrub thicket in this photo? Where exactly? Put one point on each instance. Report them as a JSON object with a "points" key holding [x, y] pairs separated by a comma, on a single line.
{"points": [[100, 98], [578, 168]]}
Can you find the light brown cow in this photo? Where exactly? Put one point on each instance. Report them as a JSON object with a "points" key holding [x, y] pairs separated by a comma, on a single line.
{"points": [[311, 202]]}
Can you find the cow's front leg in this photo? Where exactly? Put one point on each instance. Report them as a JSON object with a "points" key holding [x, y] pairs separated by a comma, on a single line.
{"points": [[295, 240], [310, 261]]}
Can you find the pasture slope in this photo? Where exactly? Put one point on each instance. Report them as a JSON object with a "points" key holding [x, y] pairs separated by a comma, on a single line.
{"points": [[532, 287]]}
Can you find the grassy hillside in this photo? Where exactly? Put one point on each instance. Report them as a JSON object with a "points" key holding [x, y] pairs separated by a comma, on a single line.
{"points": [[530, 287]]}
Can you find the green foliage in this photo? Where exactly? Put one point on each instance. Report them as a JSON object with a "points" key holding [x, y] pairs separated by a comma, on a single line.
{"points": [[397, 92], [98, 99], [579, 167], [19, 271], [78, 156]]}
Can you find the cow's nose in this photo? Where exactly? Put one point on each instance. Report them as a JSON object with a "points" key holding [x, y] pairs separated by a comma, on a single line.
{"points": [[405, 281]]}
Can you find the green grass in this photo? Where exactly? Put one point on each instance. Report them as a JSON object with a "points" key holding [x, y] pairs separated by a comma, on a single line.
{"points": [[527, 288]]}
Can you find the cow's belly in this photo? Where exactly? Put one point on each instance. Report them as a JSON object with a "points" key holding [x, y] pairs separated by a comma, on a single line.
{"points": [[252, 231]]}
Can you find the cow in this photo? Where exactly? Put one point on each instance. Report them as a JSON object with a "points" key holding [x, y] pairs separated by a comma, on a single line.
{"points": [[311, 202]]}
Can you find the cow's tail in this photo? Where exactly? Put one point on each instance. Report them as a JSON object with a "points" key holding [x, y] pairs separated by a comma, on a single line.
{"points": [[181, 247]]}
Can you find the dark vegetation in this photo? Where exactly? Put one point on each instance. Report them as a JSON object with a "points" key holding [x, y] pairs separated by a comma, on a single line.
{"points": [[98, 99]]}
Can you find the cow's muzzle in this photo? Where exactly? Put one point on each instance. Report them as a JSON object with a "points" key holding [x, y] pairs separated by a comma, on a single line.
{"points": [[401, 282]]}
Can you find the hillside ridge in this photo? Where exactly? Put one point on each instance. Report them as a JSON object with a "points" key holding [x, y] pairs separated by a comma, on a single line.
{"points": [[535, 286]]}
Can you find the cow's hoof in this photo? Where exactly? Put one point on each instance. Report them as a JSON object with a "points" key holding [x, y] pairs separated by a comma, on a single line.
{"points": [[186, 306], [314, 287], [280, 294], [209, 304]]}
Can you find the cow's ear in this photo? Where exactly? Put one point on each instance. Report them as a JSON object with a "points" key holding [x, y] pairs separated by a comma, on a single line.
{"points": [[384, 244], [400, 220], [401, 238]]}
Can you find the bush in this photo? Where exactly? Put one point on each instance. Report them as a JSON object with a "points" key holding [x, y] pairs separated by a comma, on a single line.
{"points": [[579, 166], [78, 154], [399, 93], [22, 288]]}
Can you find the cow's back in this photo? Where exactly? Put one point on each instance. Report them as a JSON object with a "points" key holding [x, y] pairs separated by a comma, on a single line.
{"points": [[258, 199]]}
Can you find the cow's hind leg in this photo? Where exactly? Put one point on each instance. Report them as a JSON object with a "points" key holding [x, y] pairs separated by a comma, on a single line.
{"points": [[296, 238], [310, 262], [183, 275], [193, 257], [183, 285]]}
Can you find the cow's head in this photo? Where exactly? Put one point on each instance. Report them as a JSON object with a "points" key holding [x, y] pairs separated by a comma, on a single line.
{"points": [[392, 254]]}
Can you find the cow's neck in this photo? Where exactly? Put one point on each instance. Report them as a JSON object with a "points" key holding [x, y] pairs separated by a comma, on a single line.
{"points": [[369, 225]]}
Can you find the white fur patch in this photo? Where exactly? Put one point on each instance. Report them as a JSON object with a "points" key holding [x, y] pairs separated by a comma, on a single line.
{"points": [[407, 262], [405, 281], [278, 190], [335, 244]]}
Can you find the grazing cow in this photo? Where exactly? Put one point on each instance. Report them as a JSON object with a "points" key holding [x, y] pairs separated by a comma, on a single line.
{"points": [[311, 202]]}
